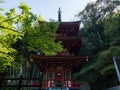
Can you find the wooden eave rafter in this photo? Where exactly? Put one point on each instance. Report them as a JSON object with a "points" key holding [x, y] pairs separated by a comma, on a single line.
{"points": [[61, 38], [58, 57]]}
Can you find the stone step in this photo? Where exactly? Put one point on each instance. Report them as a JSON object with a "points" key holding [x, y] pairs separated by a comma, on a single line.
{"points": [[58, 89]]}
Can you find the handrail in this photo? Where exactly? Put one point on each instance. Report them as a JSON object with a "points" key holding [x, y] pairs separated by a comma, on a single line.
{"points": [[19, 85]]}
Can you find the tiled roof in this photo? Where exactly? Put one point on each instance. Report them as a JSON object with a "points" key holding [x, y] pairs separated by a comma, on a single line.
{"points": [[68, 28]]}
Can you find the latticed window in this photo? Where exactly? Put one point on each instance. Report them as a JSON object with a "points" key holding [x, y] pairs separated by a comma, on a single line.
{"points": [[67, 75], [51, 74]]}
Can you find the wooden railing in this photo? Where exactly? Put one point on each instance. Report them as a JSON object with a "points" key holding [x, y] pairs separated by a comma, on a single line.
{"points": [[77, 84], [19, 85]]}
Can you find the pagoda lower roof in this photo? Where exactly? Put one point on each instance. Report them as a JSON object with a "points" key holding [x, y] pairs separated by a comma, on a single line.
{"points": [[46, 62]]}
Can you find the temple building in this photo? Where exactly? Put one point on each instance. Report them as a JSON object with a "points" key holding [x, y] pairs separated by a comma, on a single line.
{"points": [[59, 69]]}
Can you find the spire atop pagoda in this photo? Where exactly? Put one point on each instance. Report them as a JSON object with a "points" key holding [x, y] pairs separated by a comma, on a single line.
{"points": [[59, 15]]}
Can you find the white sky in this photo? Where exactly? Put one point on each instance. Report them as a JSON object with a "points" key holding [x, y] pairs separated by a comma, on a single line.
{"points": [[49, 8]]}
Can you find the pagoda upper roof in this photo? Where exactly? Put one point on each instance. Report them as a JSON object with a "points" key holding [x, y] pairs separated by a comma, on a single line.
{"points": [[68, 28]]}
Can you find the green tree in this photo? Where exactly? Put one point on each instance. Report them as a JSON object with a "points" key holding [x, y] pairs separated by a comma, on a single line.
{"points": [[32, 36], [112, 29], [112, 32], [8, 36], [101, 33], [39, 36], [93, 30]]}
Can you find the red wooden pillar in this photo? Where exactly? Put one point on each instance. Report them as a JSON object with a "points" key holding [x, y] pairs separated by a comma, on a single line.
{"points": [[46, 78]]}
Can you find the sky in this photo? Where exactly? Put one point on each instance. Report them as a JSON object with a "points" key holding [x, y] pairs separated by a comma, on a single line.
{"points": [[48, 9]]}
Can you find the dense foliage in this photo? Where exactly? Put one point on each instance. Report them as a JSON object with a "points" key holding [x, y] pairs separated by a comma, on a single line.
{"points": [[9, 34], [101, 31], [21, 34]]}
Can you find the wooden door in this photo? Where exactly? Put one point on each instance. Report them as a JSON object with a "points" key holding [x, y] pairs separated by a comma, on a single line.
{"points": [[59, 76]]}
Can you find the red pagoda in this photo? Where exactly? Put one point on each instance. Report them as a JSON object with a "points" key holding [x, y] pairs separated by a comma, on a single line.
{"points": [[59, 69]]}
